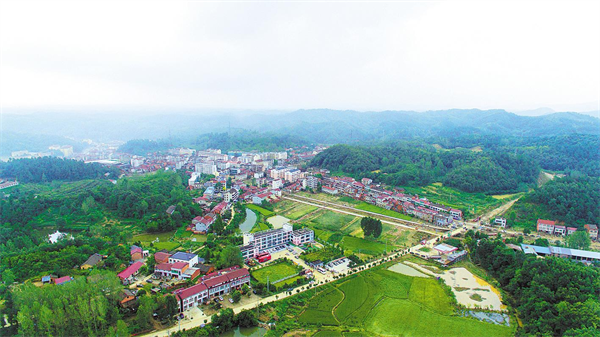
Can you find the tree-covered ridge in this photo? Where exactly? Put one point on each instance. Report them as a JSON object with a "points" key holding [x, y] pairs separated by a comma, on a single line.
{"points": [[142, 147], [571, 153], [554, 296], [418, 164], [248, 141], [45, 169], [573, 200], [95, 214]]}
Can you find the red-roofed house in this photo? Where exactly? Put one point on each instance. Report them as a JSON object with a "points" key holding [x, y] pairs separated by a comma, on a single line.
{"points": [[545, 226], [592, 231], [63, 280], [220, 208], [560, 230], [161, 257], [136, 253], [192, 296], [127, 275], [571, 230], [214, 284]]}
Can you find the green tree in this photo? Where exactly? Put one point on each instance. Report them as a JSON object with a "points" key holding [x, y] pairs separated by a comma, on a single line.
{"points": [[230, 256], [246, 319], [236, 296], [144, 313], [579, 240], [371, 227]]}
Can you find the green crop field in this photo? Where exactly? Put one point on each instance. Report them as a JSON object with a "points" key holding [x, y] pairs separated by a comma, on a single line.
{"points": [[274, 272], [320, 312], [259, 226], [385, 303], [363, 246], [331, 220], [260, 210], [375, 209]]}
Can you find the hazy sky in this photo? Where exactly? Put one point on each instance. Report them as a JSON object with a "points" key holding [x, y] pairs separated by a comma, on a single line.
{"points": [[264, 55]]}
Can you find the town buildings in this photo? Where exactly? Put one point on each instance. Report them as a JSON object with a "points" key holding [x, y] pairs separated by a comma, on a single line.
{"points": [[259, 242], [214, 284], [573, 254]]}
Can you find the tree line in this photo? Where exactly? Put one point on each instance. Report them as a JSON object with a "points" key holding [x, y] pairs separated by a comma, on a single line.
{"points": [[46, 169], [554, 296]]}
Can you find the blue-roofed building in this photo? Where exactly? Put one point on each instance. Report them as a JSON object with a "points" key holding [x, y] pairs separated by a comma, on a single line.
{"points": [[189, 258], [574, 254]]}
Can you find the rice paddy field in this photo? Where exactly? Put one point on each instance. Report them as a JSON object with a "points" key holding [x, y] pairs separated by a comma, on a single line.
{"points": [[293, 210], [379, 302]]}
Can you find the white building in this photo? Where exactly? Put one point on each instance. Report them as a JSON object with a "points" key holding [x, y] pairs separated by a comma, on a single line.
{"points": [[256, 243]]}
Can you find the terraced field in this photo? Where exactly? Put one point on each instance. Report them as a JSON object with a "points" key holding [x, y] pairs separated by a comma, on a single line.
{"points": [[385, 303]]}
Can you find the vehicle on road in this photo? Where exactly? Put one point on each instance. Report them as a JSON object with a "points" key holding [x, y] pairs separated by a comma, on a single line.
{"points": [[231, 300], [221, 298]]}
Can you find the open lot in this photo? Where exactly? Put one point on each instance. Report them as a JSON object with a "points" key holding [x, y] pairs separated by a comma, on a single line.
{"points": [[260, 210], [293, 210]]}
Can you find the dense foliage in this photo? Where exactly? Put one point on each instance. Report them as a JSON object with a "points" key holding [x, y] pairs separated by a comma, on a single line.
{"points": [[246, 141], [554, 296], [417, 164], [371, 227], [45, 169], [60, 310], [573, 200], [142, 147]]}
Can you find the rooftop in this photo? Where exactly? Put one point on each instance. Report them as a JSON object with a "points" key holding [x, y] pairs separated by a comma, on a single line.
{"points": [[183, 256]]}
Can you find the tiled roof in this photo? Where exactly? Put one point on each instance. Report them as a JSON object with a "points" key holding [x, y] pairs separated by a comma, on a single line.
{"points": [[191, 291], [130, 270]]}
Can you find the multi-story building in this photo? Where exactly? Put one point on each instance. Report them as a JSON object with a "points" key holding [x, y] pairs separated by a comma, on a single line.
{"points": [[214, 284], [546, 226], [293, 175], [302, 236], [592, 231], [256, 243], [207, 168], [312, 182], [189, 258], [501, 222]]}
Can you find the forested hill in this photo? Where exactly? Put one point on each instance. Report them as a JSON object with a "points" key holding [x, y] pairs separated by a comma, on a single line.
{"points": [[314, 126], [46, 169], [572, 200], [417, 164]]}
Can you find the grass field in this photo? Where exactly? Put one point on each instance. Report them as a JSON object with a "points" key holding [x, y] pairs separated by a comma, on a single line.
{"points": [[149, 237], [332, 221], [260, 210], [375, 209], [384, 303], [274, 272], [363, 246], [166, 245], [293, 210], [259, 226]]}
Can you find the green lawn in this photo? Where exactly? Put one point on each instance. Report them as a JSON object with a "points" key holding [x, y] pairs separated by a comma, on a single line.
{"points": [[260, 210], [375, 209], [363, 246], [166, 245], [149, 237], [274, 272]]}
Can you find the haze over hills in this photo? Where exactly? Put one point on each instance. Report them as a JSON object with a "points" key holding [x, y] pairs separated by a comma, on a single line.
{"points": [[316, 125]]}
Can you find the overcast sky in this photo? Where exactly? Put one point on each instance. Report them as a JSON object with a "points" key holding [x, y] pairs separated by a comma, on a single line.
{"points": [[259, 55]]}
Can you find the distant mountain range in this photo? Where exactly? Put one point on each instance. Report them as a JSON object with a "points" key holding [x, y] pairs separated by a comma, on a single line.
{"points": [[317, 125]]}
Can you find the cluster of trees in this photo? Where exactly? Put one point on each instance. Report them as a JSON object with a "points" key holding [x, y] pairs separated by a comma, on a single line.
{"points": [[247, 140], [84, 306], [554, 296], [221, 322], [46, 169], [142, 147], [371, 227], [573, 200], [419, 164]]}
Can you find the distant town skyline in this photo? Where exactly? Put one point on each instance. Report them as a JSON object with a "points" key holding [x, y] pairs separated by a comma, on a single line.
{"points": [[288, 56]]}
